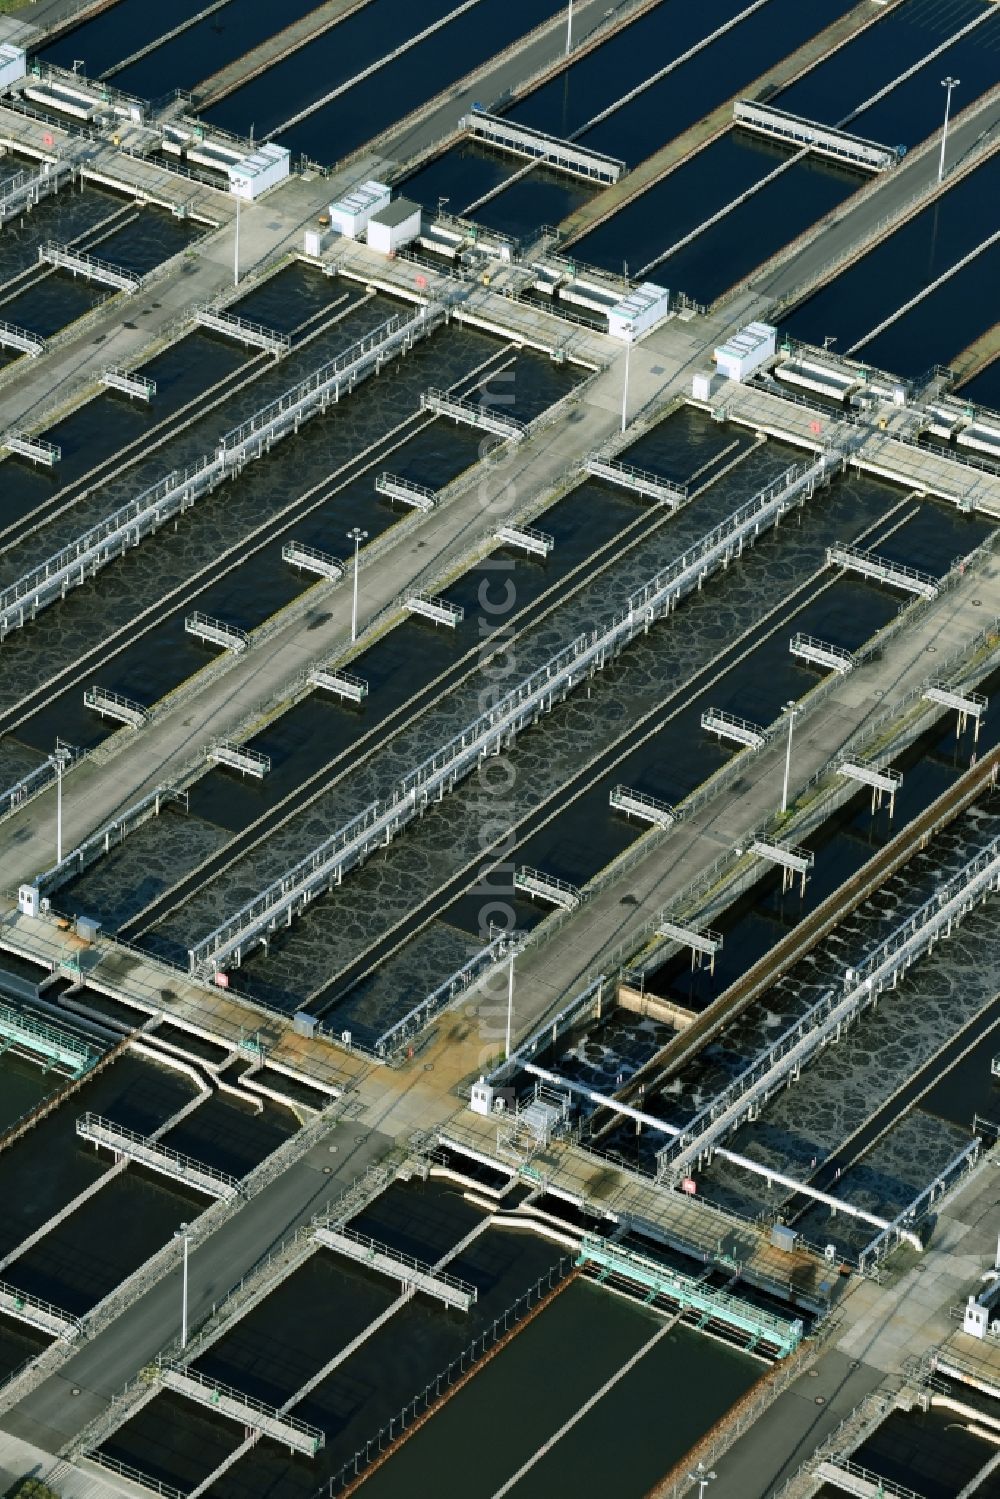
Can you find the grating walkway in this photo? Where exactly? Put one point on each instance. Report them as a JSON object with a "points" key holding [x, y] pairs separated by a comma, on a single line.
{"points": [[408, 1271], [127, 1144], [296, 1435]]}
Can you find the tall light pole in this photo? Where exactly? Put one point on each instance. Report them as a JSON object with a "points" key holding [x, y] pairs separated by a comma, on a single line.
{"points": [[628, 351], [948, 83], [236, 251], [182, 1234], [569, 27], [702, 1477], [510, 1006], [789, 708], [61, 757], [356, 535]]}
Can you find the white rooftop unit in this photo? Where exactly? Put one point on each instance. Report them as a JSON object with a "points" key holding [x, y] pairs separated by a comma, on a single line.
{"points": [[253, 175], [746, 351], [13, 65], [350, 214], [394, 226], [635, 314]]}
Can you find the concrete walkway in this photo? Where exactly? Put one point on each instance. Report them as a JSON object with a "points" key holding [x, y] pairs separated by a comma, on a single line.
{"points": [[547, 975], [503, 78], [52, 1415], [780, 75], [95, 793], [268, 229], [846, 232], [878, 1327]]}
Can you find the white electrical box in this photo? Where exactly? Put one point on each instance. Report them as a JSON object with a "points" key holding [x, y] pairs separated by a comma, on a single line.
{"points": [[976, 1321], [316, 241]]}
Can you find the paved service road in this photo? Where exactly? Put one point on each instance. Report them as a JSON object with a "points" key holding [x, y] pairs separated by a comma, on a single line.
{"points": [[51, 1416]]}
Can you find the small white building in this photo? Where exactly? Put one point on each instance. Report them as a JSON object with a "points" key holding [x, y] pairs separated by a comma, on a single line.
{"points": [[644, 306], [703, 384], [350, 214], [13, 65], [253, 175], [316, 241], [394, 226], [746, 351]]}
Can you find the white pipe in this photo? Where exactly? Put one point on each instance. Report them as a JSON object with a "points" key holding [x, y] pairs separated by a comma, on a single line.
{"points": [[744, 1162]]}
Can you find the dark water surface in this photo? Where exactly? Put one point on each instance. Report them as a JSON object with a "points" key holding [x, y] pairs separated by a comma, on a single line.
{"points": [[203, 49], [537, 1383], [911, 258], [116, 33]]}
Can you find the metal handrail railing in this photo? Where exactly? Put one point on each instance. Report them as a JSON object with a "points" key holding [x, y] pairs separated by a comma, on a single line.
{"points": [[260, 1407], [93, 1126], [407, 1261]]}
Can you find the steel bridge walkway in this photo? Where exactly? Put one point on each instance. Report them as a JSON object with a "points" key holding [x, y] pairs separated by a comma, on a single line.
{"points": [[472, 414], [402, 1267], [137, 386], [825, 140], [417, 496], [89, 267], [342, 683], [26, 190], [755, 1325], [296, 1435], [639, 804], [535, 145], [59, 1049], [42, 1315], [156, 1157], [637, 480], [850, 1478], [115, 705], [881, 570], [252, 335], [34, 448], [20, 340]]}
